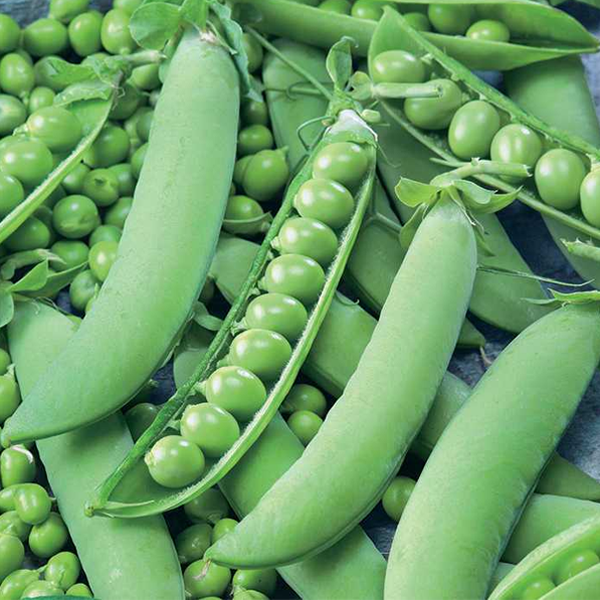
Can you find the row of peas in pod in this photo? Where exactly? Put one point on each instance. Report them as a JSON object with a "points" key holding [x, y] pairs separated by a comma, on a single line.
{"points": [[449, 19], [471, 129], [306, 244]]}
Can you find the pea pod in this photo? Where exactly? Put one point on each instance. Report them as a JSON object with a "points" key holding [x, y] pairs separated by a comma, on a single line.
{"points": [[76, 462], [565, 567], [146, 278], [149, 498], [336, 353], [573, 110], [394, 33], [478, 478], [541, 32], [404, 389]]}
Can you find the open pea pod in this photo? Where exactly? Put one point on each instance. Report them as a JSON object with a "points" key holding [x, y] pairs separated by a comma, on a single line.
{"points": [[567, 566], [130, 492], [540, 31], [394, 33]]}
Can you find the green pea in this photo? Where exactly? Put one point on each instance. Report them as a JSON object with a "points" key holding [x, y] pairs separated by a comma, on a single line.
{"points": [[127, 103], [578, 563], [418, 20], [451, 19], [15, 584], [253, 139], [58, 128], [12, 114], [10, 398], [205, 578], [249, 595], [105, 233], [11, 193], [435, 113], [305, 425], [7, 498], [84, 33], [210, 427], [590, 197], [254, 112], [44, 75], [264, 353], [325, 200], [75, 216], [137, 160], [344, 162], [117, 214], [222, 528], [102, 186], [340, 7], [209, 507], [193, 542], [153, 98], [472, 129], [90, 303], [12, 524], [115, 34], [16, 75], [41, 589], [396, 496], [102, 257], [125, 179], [254, 52], [5, 362], [265, 175], [40, 97], [10, 33], [73, 253], [63, 570], [110, 148], [371, 10], [45, 37], [145, 77], [538, 589], [309, 237], [305, 397], [33, 234], [259, 580], [558, 177], [398, 66], [48, 538], [278, 312], [239, 170], [242, 208], [32, 503], [139, 418], [73, 182], [66, 10], [174, 462], [79, 589], [129, 6], [12, 554], [82, 289], [8, 141], [518, 144], [295, 275], [30, 161], [488, 30]]}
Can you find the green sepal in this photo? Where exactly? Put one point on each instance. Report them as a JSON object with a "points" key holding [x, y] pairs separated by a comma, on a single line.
{"points": [[34, 280], [562, 298], [413, 193], [339, 63], [204, 319], [582, 249], [27, 258], [55, 282], [153, 24], [409, 229]]}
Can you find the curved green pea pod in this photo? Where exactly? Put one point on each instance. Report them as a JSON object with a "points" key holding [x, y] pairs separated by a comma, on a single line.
{"points": [[150, 283], [377, 254], [572, 109], [336, 352], [549, 563], [477, 480], [77, 462], [429, 299], [539, 31]]}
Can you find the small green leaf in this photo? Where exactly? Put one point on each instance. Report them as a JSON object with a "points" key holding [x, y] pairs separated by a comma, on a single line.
{"points": [[66, 73], [154, 23], [55, 282], [339, 62], [195, 12], [7, 307], [409, 229], [25, 259], [414, 193], [85, 90], [34, 280]]}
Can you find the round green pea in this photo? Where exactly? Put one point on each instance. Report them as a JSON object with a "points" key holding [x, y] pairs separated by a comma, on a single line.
{"points": [[222, 528], [12, 553], [32, 503], [211, 428], [451, 19], [66, 10], [145, 77], [44, 75], [309, 237], [80, 589], [63, 570], [73, 182], [305, 397], [125, 179], [127, 102], [45, 37], [371, 10], [105, 233], [265, 175], [517, 144], [488, 30], [396, 496], [209, 507], [5, 362], [73, 253], [590, 197], [205, 578], [110, 148], [40, 97], [48, 538], [240, 209], [418, 20], [254, 112], [193, 542], [11, 193], [398, 66], [12, 114], [472, 129], [10, 33], [340, 7], [15, 584], [344, 162], [137, 160], [249, 595], [254, 52], [559, 174], [174, 462], [253, 139], [117, 214], [538, 589], [259, 580], [82, 289], [84, 33], [17, 76], [41, 589], [129, 6], [144, 124], [10, 398], [115, 35], [305, 425], [30, 161], [102, 257], [102, 186], [583, 560], [7, 498], [435, 113], [17, 465], [277, 312], [139, 418], [236, 390], [295, 275], [75, 216], [325, 200], [12, 524], [58, 128], [33, 234]]}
